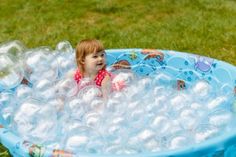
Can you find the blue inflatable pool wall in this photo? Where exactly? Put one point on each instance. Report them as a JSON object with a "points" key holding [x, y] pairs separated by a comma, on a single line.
{"points": [[185, 68]]}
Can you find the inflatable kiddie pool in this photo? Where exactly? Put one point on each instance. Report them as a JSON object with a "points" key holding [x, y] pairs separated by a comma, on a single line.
{"points": [[185, 68]]}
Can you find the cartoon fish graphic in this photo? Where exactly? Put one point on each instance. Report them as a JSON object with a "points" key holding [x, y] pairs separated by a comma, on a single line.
{"points": [[181, 85], [203, 64], [61, 153], [152, 53], [36, 151], [133, 55], [122, 64]]}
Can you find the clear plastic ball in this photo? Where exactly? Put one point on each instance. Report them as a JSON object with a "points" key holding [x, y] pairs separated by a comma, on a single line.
{"points": [[11, 73]]}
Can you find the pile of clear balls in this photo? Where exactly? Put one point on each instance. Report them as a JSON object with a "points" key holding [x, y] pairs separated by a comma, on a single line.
{"points": [[41, 103]]}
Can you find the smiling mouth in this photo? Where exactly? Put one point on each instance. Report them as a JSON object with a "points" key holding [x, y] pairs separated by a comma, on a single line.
{"points": [[100, 64]]}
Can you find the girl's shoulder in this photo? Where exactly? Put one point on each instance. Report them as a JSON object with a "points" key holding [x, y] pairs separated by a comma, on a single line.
{"points": [[101, 75], [77, 75], [103, 72]]}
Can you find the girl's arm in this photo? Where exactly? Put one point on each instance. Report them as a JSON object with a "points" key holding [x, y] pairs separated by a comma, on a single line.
{"points": [[106, 86]]}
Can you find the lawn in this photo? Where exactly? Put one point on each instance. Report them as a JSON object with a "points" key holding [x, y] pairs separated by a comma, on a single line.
{"points": [[204, 27]]}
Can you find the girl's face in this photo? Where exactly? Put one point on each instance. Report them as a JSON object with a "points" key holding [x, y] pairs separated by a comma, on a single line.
{"points": [[94, 62]]}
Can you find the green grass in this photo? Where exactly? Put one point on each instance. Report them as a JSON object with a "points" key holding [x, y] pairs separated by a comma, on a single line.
{"points": [[205, 27], [4, 152]]}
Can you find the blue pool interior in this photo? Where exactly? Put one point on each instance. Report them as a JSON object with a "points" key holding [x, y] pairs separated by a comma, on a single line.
{"points": [[185, 67]]}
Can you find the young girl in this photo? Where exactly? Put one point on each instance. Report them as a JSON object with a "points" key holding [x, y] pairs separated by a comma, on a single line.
{"points": [[91, 62]]}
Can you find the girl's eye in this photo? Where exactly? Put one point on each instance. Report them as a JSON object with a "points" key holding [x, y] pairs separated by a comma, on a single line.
{"points": [[102, 55], [95, 56]]}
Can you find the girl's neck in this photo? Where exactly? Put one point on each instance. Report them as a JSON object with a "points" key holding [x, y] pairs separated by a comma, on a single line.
{"points": [[89, 75]]}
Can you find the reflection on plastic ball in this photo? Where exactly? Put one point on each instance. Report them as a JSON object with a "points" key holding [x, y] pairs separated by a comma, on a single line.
{"points": [[15, 48], [64, 47], [201, 88], [11, 73]]}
